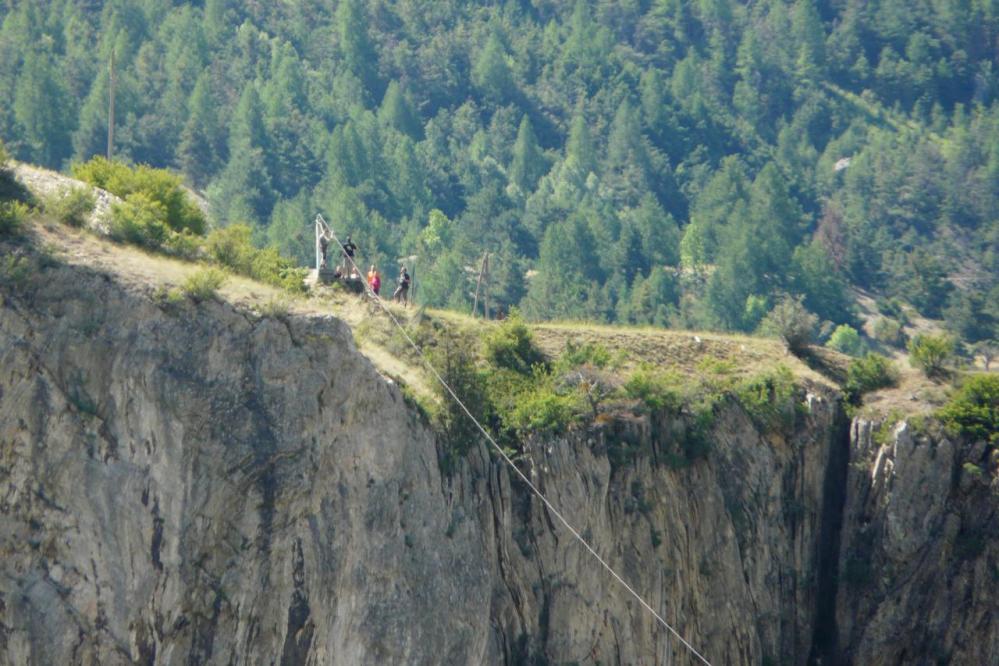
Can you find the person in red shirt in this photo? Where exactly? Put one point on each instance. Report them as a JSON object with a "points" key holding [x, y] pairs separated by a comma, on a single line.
{"points": [[374, 279]]}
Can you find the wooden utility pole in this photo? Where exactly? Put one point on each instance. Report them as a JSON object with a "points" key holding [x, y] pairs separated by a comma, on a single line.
{"points": [[485, 285], [111, 107], [483, 274]]}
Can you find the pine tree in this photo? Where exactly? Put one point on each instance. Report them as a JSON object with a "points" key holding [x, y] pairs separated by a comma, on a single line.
{"points": [[41, 109], [658, 232], [806, 24], [355, 43], [491, 73], [286, 92], [242, 192], [528, 163], [397, 112], [736, 278], [579, 145], [247, 130], [201, 139], [777, 220], [566, 267]]}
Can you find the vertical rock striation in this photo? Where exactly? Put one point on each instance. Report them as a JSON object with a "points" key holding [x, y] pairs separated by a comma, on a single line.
{"points": [[920, 552], [191, 484]]}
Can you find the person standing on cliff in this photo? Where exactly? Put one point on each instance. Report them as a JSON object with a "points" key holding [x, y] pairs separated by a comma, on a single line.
{"points": [[402, 291], [374, 280], [348, 254], [324, 243]]}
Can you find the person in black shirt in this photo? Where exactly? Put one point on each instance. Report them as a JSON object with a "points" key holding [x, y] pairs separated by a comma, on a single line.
{"points": [[348, 253], [402, 291]]}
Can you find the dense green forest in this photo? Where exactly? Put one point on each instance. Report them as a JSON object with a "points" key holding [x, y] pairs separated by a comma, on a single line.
{"points": [[667, 162]]}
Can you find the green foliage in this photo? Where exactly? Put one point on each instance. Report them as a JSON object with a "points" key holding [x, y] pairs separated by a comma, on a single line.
{"points": [[454, 360], [870, 373], [204, 284], [232, 247], [545, 410], [845, 339], [889, 332], [528, 163], [71, 206], [510, 345], [931, 353], [15, 270], [156, 185], [769, 398], [577, 142], [275, 308], [12, 217], [657, 390], [168, 298], [588, 353], [973, 411], [139, 220], [792, 323]]}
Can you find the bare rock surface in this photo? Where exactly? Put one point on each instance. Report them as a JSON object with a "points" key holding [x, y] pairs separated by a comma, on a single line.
{"points": [[919, 567], [46, 183], [188, 483]]}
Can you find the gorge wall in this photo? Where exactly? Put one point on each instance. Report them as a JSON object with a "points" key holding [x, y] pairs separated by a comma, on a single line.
{"points": [[190, 483]]}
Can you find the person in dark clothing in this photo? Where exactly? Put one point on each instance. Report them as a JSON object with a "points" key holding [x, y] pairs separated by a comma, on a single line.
{"points": [[348, 252], [402, 291]]}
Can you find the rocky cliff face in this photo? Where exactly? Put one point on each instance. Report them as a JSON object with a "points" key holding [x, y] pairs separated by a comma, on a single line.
{"points": [[920, 559], [185, 483]]}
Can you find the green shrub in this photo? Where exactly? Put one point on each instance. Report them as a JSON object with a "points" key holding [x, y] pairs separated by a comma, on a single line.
{"points": [[14, 271], [870, 373], [139, 220], [159, 185], [233, 248], [589, 353], [792, 323], [544, 410], [510, 345], [889, 332], [655, 389], [503, 388], [12, 217], [893, 308], [769, 398], [455, 362], [974, 409], [204, 284], [930, 353], [845, 339], [71, 206], [716, 366], [168, 297], [184, 245], [275, 308]]}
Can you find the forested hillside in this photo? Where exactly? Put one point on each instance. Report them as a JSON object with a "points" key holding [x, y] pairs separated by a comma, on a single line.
{"points": [[667, 162]]}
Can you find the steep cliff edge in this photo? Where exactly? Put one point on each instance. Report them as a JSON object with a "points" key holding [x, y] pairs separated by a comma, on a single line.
{"points": [[192, 483], [920, 549]]}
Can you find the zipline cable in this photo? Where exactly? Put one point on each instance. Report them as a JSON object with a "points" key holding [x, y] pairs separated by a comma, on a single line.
{"points": [[506, 458]]}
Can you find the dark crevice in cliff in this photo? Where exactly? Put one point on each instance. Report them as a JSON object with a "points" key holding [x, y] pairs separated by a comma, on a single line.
{"points": [[825, 638], [298, 635]]}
